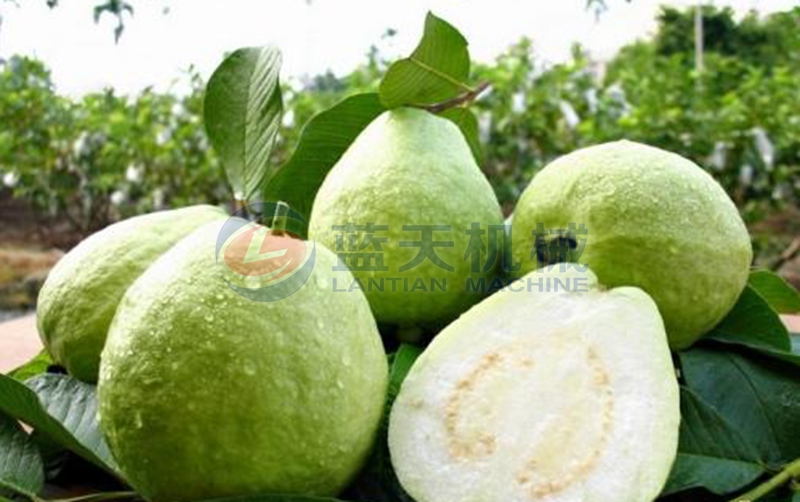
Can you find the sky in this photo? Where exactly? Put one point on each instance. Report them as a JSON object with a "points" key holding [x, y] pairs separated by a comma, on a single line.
{"points": [[165, 37]]}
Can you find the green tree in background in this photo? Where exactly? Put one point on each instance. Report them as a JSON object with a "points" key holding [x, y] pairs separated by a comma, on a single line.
{"points": [[104, 156], [107, 156], [758, 42]]}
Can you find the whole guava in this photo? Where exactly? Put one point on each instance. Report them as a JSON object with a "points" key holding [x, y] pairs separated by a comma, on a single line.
{"points": [[81, 293], [543, 392], [207, 394], [640, 216], [410, 181]]}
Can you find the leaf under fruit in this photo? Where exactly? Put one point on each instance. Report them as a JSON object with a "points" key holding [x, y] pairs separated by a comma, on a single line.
{"points": [[21, 465], [62, 409], [780, 295], [712, 454]]}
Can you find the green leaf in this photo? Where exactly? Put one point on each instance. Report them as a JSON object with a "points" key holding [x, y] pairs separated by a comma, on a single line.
{"points": [[780, 295], [35, 366], [243, 109], [378, 482], [712, 454], [758, 395], [21, 465], [789, 357], [61, 408], [753, 323], [781, 497], [54, 455], [437, 69], [275, 498], [402, 362], [323, 141], [468, 123], [74, 404]]}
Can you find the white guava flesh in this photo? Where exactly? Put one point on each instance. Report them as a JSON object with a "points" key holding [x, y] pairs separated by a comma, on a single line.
{"points": [[541, 396]]}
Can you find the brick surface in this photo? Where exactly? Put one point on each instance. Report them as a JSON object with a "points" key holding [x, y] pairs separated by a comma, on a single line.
{"points": [[19, 342]]}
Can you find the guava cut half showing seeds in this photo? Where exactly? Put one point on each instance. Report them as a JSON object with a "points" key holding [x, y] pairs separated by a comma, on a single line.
{"points": [[541, 396]]}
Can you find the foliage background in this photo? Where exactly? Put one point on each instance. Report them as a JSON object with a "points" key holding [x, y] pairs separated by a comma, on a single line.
{"points": [[93, 160]]}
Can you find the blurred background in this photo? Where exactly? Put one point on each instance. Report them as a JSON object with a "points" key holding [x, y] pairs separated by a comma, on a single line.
{"points": [[101, 101]]}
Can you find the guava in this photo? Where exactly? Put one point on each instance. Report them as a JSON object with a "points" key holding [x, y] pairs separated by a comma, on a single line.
{"points": [[640, 216], [81, 293], [408, 174], [541, 396], [207, 394]]}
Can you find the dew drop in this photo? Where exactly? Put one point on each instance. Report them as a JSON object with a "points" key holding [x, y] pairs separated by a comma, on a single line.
{"points": [[249, 368]]}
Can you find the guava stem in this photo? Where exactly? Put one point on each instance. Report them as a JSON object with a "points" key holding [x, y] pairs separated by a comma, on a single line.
{"points": [[466, 97], [100, 497], [279, 218], [789, 472]]}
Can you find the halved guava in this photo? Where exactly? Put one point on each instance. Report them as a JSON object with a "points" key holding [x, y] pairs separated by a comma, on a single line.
{"points": [[644, 217], [541, 395]]}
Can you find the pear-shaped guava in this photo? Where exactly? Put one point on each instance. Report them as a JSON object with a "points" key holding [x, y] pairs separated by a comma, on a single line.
{"points": [[641, 216], [207, 394], [541, 396], [412, 176], [81, 293]]}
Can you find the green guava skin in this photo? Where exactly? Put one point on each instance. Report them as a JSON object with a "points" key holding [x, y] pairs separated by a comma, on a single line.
{"points": [[206, 394], [410, 167], [81, 293], [655, 220]]}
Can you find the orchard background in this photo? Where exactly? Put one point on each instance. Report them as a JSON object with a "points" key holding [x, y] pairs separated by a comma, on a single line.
{"points": [[77, 164]]}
